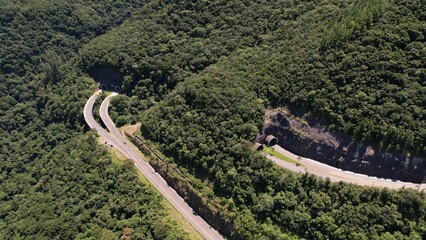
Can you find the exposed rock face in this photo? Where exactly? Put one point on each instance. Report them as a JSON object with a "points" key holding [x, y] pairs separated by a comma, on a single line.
{"points": [[313, 141]]}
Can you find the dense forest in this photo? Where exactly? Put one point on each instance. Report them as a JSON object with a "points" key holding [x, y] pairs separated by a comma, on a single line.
{"points": [[199, 75], [362, 67], [56, 182], [206, 71]]}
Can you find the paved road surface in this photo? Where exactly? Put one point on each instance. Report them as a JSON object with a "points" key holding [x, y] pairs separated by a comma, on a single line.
{"points": [[90, 120], [322, 170], [169, 193], [335, 174]]}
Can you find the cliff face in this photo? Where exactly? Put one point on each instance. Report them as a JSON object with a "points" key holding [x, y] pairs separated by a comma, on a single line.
{"points": [[312, 140]]}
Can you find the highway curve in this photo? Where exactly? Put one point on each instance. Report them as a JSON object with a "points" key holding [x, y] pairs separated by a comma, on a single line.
{"points": [[118, 141], [308, 165], [335, 174]]}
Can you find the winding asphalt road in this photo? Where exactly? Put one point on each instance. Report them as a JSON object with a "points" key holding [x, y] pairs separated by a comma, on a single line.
{"points": [[114, 137], [322, 170], [335, 174]]}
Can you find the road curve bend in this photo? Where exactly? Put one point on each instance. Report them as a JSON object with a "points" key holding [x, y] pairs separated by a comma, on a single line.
{"points": [[169, 193], [335, 174]]}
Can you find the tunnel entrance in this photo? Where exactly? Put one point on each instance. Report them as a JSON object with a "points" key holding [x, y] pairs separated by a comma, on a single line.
{"points": [[258, 147], [271, 140], [108, 78], [103, 86]]}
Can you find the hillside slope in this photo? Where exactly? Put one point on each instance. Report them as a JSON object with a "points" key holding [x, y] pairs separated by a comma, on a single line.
{"points": [[199, 75], [56, 181], [205, 72]]}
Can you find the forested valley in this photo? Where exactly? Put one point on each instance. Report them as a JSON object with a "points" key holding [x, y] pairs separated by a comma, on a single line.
{"points": [[199, 76], [56, 182]]}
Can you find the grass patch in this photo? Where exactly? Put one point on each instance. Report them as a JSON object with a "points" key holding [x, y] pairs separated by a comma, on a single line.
{"points": [[271, 151]]}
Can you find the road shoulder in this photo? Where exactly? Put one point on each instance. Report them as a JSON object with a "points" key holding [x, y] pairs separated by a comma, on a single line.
{"points": [[118, 157]]}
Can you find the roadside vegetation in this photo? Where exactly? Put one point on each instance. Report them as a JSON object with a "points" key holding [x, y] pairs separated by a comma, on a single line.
{"points": [[273, 152], [198, 75], [56, 181], [202, 117]]}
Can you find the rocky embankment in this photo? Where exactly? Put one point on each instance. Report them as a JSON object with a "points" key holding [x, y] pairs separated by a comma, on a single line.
{"points": [[312, 140]]}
